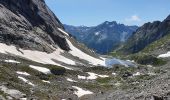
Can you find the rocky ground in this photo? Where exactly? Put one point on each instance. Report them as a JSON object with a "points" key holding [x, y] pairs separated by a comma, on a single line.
{"points": [[156, 88], [20, 81]]}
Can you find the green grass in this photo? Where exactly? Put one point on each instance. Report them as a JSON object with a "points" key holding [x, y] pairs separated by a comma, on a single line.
{"points": [[103, 80], [155, 45]]}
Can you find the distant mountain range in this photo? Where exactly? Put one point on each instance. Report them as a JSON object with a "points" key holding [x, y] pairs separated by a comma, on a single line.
{"points": [[102, 38]]}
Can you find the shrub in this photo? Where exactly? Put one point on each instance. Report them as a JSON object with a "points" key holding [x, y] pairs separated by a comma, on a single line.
{"points": [[56, 70]]}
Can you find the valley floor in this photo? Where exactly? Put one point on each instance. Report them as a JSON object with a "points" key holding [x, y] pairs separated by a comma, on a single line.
{"points": [[24, 79]]}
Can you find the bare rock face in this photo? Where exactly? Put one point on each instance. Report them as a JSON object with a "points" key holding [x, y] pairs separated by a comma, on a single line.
{"points": [[29, 24]]}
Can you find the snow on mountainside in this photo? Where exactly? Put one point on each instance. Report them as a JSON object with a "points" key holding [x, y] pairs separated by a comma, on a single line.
{"points": [[33, 32]]}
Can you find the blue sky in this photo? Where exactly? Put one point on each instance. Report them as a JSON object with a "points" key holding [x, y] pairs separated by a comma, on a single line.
{"points": [[94, 12]]}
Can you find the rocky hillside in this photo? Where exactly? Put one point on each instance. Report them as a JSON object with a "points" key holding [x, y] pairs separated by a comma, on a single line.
{"points": [[30, 24], [102, 38], [145, 35]]}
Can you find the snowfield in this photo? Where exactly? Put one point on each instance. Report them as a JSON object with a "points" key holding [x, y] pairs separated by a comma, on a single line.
{"points": [[26, 81], [164, 55], [37, 56], [78, 53], [80, 92], [41, 69], [12, 61], [48, 58], [23, 73]]}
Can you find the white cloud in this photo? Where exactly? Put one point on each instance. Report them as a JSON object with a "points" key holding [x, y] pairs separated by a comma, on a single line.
{"points": [[133, 18]]}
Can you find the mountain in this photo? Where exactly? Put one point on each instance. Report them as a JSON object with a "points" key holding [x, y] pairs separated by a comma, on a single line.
{"points": [[102, 38], [145, 35], [29, 25]]}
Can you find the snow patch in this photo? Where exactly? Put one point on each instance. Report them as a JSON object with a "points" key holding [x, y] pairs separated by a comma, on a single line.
{"points": [[12, 61], [164, 55], [46, 81], [117, 84], [26, 81], [82, 77], [113, 73], [97, 33], [63, 31], [78, 53], [41, 69], [149, 66], [131, 61], [92, 76], [23, 73], [80, 92], [71, 80], [137, 74]]}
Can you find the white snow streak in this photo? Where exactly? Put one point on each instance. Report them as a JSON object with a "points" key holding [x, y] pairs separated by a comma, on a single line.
{"points": [[164, 55], [46, 81], [12, 61], [25, 80], [80, 92], [92, 76], [23, 73], [137, 74], [71, 80], [41, 69], [63, 31], [82, 77], [78, 53]]}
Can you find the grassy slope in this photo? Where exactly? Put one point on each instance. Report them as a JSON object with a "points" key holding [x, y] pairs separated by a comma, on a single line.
{"points": [[161, 43]]}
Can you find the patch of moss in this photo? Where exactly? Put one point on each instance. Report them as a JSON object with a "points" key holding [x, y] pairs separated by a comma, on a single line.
{"points": [[103, 80]]}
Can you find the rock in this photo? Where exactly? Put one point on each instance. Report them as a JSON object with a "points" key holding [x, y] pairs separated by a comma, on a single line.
{"points": [[30, 24], [157, 98], [2, 98]]}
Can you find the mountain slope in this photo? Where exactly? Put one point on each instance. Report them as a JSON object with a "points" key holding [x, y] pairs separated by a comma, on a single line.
{"points": [[102, 38], [145, 35], [29, 29]]}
